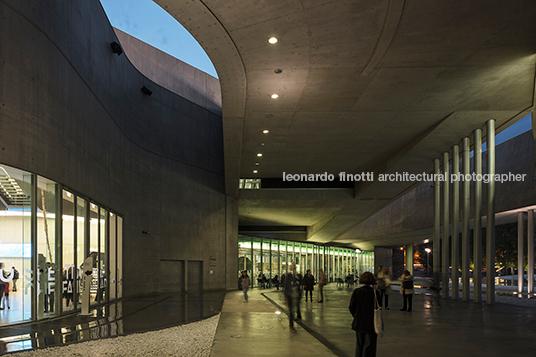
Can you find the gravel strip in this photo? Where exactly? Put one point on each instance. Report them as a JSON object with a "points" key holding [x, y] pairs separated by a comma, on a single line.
{"points": [[194, 339]]}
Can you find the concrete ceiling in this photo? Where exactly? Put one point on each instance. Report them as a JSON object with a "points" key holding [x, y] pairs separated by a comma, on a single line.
{"points": [[383, 86]]}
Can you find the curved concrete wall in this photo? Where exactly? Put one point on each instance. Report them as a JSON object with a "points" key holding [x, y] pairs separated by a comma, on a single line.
{"points": [[73, 111], [171, 73]]}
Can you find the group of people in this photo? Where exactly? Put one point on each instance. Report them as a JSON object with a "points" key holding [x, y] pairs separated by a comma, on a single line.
{"points": [[363, 302], [366, 299], [294, 285]]}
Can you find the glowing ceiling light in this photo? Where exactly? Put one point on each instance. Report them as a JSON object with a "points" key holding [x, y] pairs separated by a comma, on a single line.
{"points": [[275, 96], [272, 40], [265, 131], [255, 171], [259, 154]]}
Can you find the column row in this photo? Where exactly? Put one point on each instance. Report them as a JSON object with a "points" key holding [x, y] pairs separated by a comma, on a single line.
{"points": [[446, 223]]}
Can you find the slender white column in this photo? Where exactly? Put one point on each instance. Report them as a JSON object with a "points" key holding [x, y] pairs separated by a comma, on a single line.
{"points": [[490, 220], [466, 210], [520, 268], [454, 256], [477, 227], [445, 234], [409, 258], [530, 252], [437, 226]]}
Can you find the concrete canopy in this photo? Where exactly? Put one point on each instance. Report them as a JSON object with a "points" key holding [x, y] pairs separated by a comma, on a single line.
{"points": [[383, 86]]}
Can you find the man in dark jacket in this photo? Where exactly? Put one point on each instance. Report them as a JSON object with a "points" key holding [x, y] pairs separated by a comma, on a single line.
{"points": [[293, 294], [362, 309], [309, 283]]}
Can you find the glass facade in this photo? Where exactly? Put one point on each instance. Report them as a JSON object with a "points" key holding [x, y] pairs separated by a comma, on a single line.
{"points": [[272, 257], [48, 229]]}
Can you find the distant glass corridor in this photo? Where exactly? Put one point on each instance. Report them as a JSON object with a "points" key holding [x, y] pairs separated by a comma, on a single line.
{"points": [[272, 258]]}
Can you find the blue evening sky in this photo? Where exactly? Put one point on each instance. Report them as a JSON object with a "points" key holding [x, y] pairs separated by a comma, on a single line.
{"points": [[148, 22]]}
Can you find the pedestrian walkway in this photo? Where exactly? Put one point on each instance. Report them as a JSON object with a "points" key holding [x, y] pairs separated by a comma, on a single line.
{"points": [[259, 328], [436, 327]]}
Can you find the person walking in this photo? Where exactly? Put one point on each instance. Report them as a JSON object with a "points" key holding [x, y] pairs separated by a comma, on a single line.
{"points": [[293, 295], [309, 283], [15, 278], [246, 282], [5, 299], [384, 286], [362, 309], [321, 283], [2, 283], [406, 289]]}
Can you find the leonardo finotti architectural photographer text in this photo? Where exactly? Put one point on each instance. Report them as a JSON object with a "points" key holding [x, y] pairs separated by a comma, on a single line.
{"points": [[404, 176]]}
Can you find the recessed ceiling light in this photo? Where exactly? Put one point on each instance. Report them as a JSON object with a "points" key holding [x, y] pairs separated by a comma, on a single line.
{"points": [[255, 171], [272, 40], [259, 154], [256, 164], [265, 131], [262, 144], [275, 96], [278, 71]]}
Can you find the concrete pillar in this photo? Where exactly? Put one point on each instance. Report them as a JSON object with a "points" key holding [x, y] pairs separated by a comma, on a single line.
{"points": [[446, 225], [520, 268], [437, 226], [490, 220], [530, 252], [455, 218], [466, 210], [409, 258], [231, 244], [477, 227]]}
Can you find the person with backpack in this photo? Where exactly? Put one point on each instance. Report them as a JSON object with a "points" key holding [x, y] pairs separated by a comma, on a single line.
{"points": [[15, 278], [406, 289]]}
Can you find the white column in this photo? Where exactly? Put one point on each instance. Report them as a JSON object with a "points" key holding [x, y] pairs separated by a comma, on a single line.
{"points": [[466, 210], [520, 268], [530, 252], [490, 220], [437, 227], [446, 225], [477, 227], [409, 258], [455, 218]]}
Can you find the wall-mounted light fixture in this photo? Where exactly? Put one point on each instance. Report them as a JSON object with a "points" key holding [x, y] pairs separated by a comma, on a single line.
{"points": [[146, 91], [116, 48]]}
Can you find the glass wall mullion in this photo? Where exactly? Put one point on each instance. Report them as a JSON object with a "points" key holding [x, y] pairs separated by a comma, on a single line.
{"points": [[271, 260], [58, 284], [33, 238]]}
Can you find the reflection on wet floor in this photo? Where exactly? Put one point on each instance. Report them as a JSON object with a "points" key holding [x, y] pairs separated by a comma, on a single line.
{"points": [[119, 318]]}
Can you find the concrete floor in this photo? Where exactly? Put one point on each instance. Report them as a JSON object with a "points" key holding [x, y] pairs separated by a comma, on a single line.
{"points": [[435, 327]]}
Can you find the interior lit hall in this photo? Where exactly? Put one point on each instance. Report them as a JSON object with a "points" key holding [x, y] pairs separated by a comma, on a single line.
{"points": [[346, 136]]}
